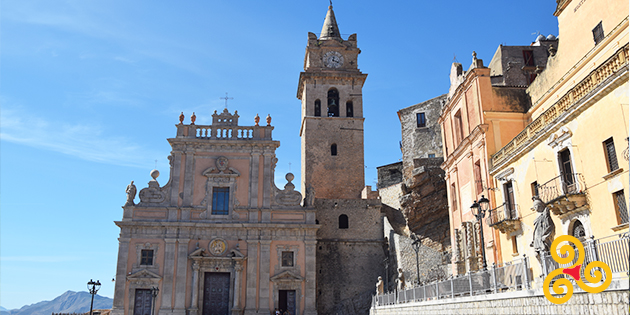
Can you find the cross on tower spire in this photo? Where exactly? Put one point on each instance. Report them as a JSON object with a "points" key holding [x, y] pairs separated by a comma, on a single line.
{"points": [[226, 98]]}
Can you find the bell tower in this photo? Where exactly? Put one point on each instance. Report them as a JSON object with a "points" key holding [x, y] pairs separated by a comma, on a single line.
{"points": [[332, 115]]}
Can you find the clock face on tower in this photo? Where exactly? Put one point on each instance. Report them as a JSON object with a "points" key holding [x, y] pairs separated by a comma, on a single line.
{"points": [[333, 59]]}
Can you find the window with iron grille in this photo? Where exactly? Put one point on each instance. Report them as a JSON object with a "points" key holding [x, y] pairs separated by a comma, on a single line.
{"points": [[598, 33], [220, 200], [421, 120], [146, 257], [287, 259], [620, 205], [611, 155]]}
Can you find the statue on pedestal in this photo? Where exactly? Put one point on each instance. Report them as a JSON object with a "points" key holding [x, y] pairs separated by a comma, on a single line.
{"points": [[544, 229], [131, 194]]}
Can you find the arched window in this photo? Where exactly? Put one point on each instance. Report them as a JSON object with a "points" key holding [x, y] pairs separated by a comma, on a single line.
{"points": [[333, 103], [349, 109], [343, 221], [333, 149], [318, 108], [578, 230]]}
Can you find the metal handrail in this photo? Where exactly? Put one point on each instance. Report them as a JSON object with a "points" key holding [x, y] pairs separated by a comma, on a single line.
{"points": [[565, 184], [504, 212]]}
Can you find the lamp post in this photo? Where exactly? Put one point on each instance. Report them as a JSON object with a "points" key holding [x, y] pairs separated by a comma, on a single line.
{"points": [[154, 293], [416, 247], [93, 287], [479, 211]]}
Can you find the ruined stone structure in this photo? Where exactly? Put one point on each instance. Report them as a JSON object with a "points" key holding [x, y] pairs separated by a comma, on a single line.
{"points": [[350, 243], [219, 235], [413, 193]]}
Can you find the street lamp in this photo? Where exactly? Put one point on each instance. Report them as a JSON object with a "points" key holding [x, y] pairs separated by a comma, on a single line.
{"points": [[154, 293], [93, 287], [479, 211], [416, 247]]}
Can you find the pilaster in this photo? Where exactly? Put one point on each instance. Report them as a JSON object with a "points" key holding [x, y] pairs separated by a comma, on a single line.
{"points": [[188, 178], [310, 295], [252, 279], [169, 270], [180, 278], [121, 276], [265, 255]]}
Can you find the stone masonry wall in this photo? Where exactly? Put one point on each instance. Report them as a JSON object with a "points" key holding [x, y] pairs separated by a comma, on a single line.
{"points": [[350, 260], [419, 142], [389, 175], [607, 302]]}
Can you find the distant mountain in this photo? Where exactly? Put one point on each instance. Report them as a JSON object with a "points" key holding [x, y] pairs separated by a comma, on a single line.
{"points": [[69, 302], [2, 308]]}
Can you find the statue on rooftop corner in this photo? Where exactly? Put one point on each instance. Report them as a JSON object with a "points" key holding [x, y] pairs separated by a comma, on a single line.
{"points": [[543, 227], [131, 194], [310, 196]]}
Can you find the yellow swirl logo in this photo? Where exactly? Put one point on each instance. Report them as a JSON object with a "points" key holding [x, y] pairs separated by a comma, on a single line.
{"points": [[574, 271]]}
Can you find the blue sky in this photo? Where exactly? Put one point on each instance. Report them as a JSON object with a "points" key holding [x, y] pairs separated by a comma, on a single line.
{"points": [[91, 90]]}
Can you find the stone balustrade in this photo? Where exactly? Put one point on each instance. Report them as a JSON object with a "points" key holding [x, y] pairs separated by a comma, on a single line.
{"points": [[572, 97]]}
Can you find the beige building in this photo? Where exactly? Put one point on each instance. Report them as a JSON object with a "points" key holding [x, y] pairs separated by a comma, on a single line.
{"points": [[573, 148], [219, 237]]}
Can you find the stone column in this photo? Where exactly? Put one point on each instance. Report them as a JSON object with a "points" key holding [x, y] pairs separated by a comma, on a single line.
{"points": [[180, 277], [238, 269], [252, 266], [267, 180], [194, 309], [263, 304], [310, 291], [188, 179], [169, 270], [253, 177], [121, 276]]}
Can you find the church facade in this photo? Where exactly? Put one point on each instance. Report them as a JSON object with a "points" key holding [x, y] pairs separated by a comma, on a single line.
{"points": [[220, 238]]}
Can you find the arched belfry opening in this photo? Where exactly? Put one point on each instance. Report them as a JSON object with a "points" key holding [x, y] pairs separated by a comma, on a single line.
{"points": [[333, 103]]}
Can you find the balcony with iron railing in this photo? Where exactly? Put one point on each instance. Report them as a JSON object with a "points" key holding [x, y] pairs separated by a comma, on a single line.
{"points": [[564, 194], [506, 218]]}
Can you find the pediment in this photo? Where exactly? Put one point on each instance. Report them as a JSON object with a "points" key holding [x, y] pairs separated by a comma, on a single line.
{"points": [[286, 276], [237, 253], [144, 274], [213, 172], [199, 252]]}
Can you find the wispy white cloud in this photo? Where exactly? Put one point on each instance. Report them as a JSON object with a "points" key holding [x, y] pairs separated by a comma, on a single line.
{"points": [[42, 259], [86, 142]]}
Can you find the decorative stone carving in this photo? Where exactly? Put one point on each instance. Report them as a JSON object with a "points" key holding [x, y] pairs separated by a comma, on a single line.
{"points": [[217, 247], [221, 176], [225, 118], [153, 193], [268, 120], [131, 194], [257, 119], [310, 197], [181, 118], [288, 196]]}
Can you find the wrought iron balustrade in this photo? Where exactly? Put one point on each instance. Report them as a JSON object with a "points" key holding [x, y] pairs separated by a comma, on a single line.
{"points": [[563, 185], [502, 213]]}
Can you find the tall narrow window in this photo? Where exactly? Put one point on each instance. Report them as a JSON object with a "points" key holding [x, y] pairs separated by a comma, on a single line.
{"points": [[333, 103], [528, 57], [343, 221], [621, 207], [478, 180], [318, 108], [566, 170], [534, 187], [514, 245], [459, 127], [220, 200], [349, 109], [611, 155], [509, 200], [453, 197], [146, 257], [598, 33], [421, 120], [333, 149]]}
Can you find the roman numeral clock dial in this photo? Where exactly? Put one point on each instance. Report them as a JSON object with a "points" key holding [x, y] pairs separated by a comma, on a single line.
{"points": [[333, 59]]}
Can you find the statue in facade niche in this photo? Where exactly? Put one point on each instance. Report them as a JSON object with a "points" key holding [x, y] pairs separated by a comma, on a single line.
{"points": [[131, 194], [543, 227], [401, 279]]}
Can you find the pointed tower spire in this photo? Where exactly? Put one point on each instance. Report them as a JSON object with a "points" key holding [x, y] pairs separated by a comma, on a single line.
{"points": [[330, 30]]}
